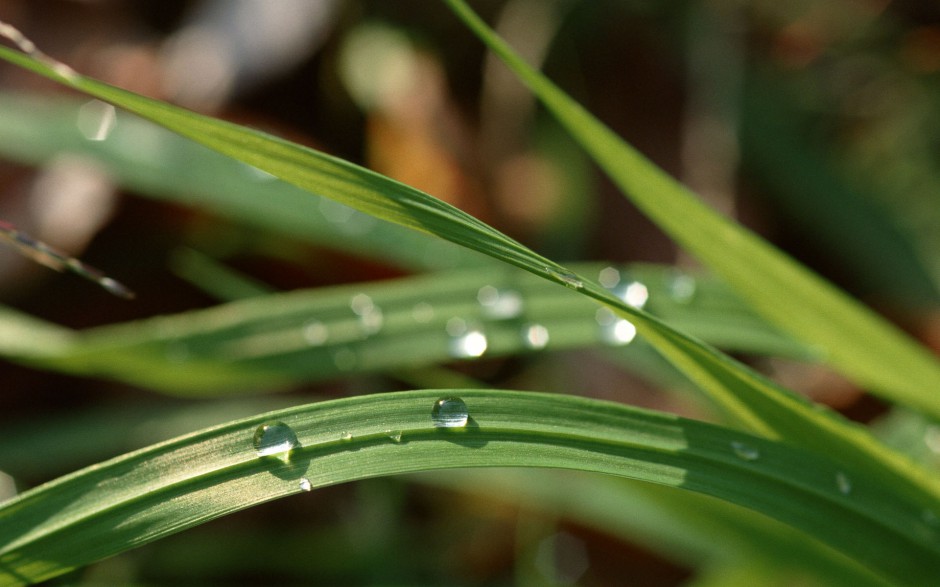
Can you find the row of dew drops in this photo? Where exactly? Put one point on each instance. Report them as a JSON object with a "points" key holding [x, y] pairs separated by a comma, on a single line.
{"points": [[467, 336], [277, 439]]}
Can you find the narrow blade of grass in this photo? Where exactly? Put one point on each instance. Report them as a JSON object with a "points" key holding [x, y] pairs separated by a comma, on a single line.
{"points": [[860, 344], [139, 497]]}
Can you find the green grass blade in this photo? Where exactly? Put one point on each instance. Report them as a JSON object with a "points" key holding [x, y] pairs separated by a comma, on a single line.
{"points": [[317, 334], [746, 398], [144, 495], [857, 342]]}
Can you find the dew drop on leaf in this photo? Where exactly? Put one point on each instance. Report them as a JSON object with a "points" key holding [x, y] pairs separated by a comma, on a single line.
{"points": [[745, 451], [275, 439], [450, 412], [305, 484]]}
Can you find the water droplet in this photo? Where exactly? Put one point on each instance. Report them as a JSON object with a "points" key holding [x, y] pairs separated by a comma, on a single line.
{"points": [[449, 412], [843, 483], [499, 304], [469, 345], [422, 312], [609, 277], [614, 330], [315, 333], [361, 304], [745, 451], [96, 120], [566, 277], [276, 439], [346, 436], [633, 294], [394, 435], [681, 287], [534, 336], [305, 484]]}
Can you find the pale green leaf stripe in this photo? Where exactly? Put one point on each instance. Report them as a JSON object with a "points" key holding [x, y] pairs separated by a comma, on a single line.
{"points": [[858, 343], [747, 398], [144, 495], [280, 339]]}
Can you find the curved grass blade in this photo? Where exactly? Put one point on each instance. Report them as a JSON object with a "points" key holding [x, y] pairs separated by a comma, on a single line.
{"points": [[746, 398], [857, 342], [282, 339], [144, 495]]}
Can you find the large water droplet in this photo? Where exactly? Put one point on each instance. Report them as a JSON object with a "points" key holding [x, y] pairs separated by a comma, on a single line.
{"points": [[305, 484], [450, 412], [566, 277], [843, 483], [745, 451], [499, 304], [275, 439], [534, 336], [614, 330]]}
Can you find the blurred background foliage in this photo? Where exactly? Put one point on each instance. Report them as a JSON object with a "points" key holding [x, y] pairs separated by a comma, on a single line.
{"points": [[814, 122]]}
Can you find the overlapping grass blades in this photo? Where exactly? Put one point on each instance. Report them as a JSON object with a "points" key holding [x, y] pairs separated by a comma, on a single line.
{"points": [[145, 495], [855, 340]]}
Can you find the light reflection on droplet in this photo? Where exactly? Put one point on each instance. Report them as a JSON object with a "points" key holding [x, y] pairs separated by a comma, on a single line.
{"points": [[609, 277], [361, 304], [535, 336], [613, 329], [633, 293], [305, 484], [346, 436], [499, 304], [316, 333], [96, 120], [469, 345]]}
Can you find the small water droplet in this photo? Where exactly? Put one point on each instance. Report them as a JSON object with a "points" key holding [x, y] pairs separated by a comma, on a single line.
{"points": [[96, 120], [614, 330], [315, 333], [633, 294], [843, 483], [394, 435], [449, 412], [566, 277], [681, 287], [305, 484], [535, 336], [276, 439], [745, 451], [499, 304], [346, 436], [469, 345], [609, 277], [422, 312]]}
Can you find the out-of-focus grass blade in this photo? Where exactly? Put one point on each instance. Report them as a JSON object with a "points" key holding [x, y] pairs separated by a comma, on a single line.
{"points": [[746, 398], [857, 342], [141, 496], [279, 339], [690, 530], [162, 165]]}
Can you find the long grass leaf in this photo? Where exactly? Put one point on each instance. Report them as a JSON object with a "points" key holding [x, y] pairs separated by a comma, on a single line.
{"points": [[141, 496], [857, 342]]}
